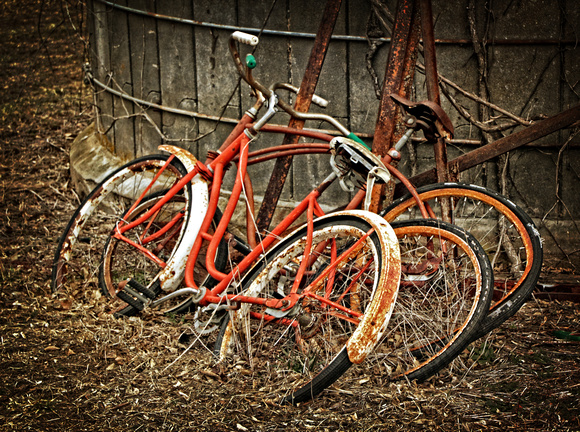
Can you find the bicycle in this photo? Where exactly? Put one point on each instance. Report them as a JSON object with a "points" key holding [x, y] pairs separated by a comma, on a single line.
{"points": [[506, 232], [171, 235]]}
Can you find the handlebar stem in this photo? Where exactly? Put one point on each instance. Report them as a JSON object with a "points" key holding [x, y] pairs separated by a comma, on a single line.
{"points": [[272, 104]]}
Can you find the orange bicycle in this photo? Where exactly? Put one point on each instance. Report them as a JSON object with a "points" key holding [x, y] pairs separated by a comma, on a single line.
{"points": [[306, 305]]}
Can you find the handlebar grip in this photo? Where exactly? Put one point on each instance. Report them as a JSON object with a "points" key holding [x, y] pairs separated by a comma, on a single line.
{"points": [[321, 102], [245, 38]]}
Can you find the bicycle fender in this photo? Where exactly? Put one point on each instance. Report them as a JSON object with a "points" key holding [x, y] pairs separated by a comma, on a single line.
{"points": [[377, 315], [186, 158], [172, 275]]}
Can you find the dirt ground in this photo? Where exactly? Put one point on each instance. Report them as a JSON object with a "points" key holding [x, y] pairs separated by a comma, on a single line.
{"points": [[80, 369]]}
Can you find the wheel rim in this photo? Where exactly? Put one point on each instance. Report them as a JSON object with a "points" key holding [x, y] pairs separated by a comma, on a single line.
{"points": [[285, 354], [500, 232], [76, 268], [438, 305]]}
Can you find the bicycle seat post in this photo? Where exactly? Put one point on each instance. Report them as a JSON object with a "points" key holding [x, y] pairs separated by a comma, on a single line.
{"points": [[394, 153]]}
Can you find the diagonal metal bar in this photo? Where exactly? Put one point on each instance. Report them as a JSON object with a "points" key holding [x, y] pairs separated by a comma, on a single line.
{"points": [[517, 139], [303, 100], [394, 77], [399, 75]]}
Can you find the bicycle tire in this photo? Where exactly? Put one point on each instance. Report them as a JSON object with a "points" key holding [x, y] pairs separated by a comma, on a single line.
{"points": [[486, 214], [121, 262], [276, 351], [77, 259], [445, 292]]}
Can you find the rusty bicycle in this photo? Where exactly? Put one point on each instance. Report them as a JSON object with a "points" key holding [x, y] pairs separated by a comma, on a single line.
{"points": [[151, 235]]}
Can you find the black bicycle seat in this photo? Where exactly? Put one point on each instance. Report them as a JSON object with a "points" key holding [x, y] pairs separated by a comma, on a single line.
{"points": [[427, 111]]}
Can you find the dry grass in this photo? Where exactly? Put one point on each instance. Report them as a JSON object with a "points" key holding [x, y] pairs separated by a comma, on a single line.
{"points": [[80, 369]]}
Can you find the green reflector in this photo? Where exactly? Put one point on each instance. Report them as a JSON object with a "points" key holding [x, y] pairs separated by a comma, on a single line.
{"points": [[251, 61]]}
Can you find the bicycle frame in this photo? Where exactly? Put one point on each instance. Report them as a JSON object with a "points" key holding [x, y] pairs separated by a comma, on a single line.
{"points": [[235, 149], [238, 150]]}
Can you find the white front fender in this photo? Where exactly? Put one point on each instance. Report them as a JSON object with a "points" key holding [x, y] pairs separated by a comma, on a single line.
{"points": [[172, 275], [378, 313]]}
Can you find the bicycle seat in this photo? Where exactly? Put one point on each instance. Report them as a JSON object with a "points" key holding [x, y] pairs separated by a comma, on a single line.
{"points": [[351, 159], [429, 114]]}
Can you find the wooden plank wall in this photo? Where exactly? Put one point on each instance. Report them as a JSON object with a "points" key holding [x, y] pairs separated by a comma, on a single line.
{"points": [[189, 67]]}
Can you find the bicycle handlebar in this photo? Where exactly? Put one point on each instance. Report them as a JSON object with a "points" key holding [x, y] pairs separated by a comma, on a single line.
{"points": [[246, 73]]}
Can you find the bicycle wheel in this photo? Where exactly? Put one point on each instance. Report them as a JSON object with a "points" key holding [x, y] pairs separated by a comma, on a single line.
{"points": [[506, 232], [77, 260], [122, 262], [445, 292], [293, 355]]}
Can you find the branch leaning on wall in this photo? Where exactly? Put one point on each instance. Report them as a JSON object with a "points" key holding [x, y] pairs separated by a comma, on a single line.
{"points": [[559, 201], [143, 105], [491, 133], [379, 27]]}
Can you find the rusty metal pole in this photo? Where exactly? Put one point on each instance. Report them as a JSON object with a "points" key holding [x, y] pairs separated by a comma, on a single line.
{"points": [[399, 75], [386, 122], [432, 82], [302, 104]]}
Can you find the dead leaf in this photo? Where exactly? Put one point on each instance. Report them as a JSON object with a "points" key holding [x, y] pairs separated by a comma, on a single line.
{"points": [[210, 374], [66, 304]]}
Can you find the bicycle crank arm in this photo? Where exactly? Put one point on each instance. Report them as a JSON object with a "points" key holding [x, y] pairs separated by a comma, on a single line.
{"points": [[196, 295]]}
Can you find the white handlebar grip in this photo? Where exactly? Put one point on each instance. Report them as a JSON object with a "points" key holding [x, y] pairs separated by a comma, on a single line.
{"points": [[321, 102], [246, 38]]}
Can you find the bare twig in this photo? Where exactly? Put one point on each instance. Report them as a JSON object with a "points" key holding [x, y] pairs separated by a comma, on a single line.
{"points": [[483, 126], [373, 47], [479, 100]]}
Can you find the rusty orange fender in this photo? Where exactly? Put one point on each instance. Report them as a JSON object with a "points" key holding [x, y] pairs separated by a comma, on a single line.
{"points": [[378, 313], [171, 276]]}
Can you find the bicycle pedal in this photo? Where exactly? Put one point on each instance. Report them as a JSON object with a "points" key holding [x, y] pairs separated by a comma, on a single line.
{"points": [[147, 292], [130, 300], [137, 295]]}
